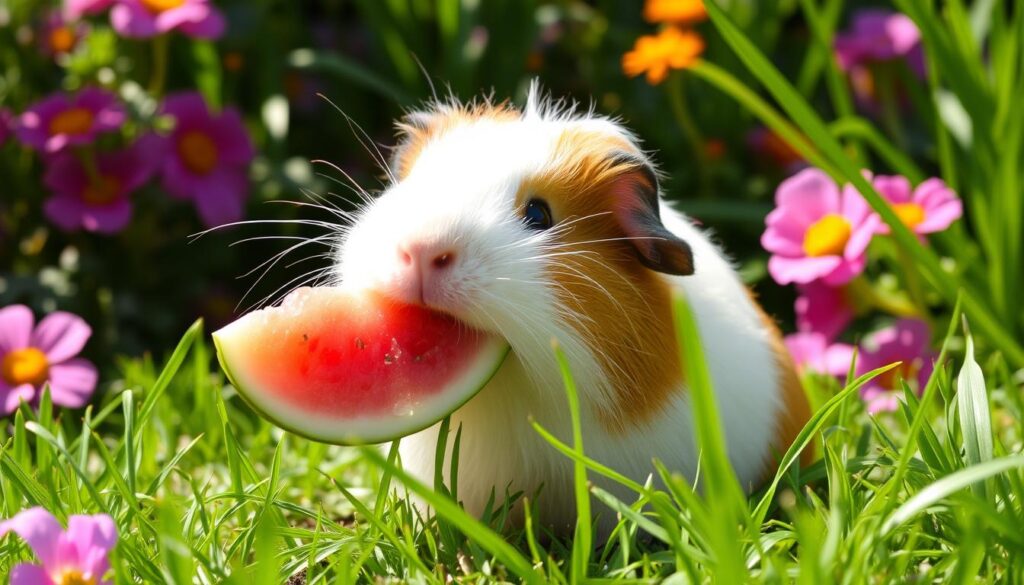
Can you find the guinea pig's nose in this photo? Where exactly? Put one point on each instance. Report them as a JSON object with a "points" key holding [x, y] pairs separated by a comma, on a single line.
{"points": [[420, 268]]}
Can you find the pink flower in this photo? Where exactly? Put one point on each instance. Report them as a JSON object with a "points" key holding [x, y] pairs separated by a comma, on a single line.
{"points": [[812, 352], [906, 341], [149, 18], [74, 9], [929, 208], [817, 231], [99, 203], [824, 309], [76, 555], [208, 158], [880, 35], [69, 120], [31, 356]]}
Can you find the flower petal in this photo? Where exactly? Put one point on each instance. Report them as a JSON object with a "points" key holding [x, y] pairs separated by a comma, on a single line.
{"points": [[39, 529], [801, 270], [26, 574], [885, 402], [16, 324], [65, 212], [73, 382], [132, 20], [223, 198], [93, 537], [107, 219], [61, 336], [809, 195], [11, 397]]}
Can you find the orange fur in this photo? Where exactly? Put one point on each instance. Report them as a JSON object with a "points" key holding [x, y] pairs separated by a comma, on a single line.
{"points": [[623, 304]]}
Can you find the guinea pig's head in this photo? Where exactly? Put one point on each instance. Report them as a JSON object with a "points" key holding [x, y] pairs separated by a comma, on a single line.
{"points": [[533, 224]]}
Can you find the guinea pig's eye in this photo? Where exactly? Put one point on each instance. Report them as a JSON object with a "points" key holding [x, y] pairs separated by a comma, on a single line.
{"points": [[537, 214]]}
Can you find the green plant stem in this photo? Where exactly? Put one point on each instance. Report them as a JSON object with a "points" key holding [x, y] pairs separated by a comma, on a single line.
{"points": [[684, 118], [158, 79]]}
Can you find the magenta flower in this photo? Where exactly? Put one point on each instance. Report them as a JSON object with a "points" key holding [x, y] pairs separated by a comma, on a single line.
{"points": [[812, 352], [907, 341], [68, 120], [99, 203], [149, 18], [78, 555], [823, 309], [817, 231], [59, 35], [32, 356], [75, 9], [208, 158], [931, 207], [880, 35]]}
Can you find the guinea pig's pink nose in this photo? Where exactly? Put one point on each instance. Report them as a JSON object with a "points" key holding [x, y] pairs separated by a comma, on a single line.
{"points": [[421, 268]]}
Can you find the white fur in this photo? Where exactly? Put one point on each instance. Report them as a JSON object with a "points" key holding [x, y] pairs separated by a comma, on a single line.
{"points": [[460, 192]]}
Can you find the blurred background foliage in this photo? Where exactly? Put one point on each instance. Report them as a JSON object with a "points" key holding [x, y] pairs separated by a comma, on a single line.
{"points": [[319, 81]]}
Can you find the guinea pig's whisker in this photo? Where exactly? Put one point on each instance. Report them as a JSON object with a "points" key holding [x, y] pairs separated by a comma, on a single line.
{"points": [[352, 184], [260, 238], [282, 253], [303, 279], [588, 280], [312, 222], [375, 153]]}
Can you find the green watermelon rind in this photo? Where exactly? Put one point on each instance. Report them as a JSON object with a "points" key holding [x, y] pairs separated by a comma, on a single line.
{"points": [[499, 347]]}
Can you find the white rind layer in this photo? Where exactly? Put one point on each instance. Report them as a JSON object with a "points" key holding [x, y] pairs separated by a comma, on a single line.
{"points": [[356, 430]]}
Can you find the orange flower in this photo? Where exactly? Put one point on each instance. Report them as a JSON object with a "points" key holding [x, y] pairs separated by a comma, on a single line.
{"points": [[656, 54], [674, 11]]}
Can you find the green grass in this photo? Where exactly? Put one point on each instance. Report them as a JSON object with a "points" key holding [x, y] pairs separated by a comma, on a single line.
{"points": [[202, 488]]}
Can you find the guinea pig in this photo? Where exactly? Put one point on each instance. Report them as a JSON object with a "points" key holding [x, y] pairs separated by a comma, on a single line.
{"points": [[544, 223]]}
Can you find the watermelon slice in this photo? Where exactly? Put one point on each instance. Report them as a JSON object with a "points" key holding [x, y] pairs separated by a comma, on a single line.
{"points": [[354, 368]]}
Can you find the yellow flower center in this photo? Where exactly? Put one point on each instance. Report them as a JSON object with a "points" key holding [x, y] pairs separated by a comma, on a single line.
{"points": [[158, 6], [911, 214], [25, 366], [72, 121], [62, 39], [198, 152], [101, 191], [73, 577], [827, 236]]}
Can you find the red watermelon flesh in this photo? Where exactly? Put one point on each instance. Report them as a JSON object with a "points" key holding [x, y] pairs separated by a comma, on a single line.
{"points": [[352, 367]]}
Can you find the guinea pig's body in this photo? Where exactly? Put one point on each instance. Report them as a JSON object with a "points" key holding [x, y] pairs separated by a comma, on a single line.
{"points": [[546, 224]]}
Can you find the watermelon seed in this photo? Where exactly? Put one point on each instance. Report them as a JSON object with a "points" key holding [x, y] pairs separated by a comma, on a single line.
{"points": [[388, 359], [359, 343], [417, 359]]}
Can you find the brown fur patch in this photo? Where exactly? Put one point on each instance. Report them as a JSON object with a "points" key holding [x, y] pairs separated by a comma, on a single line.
{"points": [[795, 409], [414, 136], [625, 307]]}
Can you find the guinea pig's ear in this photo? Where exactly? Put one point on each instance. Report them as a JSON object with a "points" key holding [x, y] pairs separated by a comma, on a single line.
{"points": [[635, 204]]}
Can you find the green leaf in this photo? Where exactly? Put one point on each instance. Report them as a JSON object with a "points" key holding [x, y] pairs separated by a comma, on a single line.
{"points": [[972, 406], [947, 486]]}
